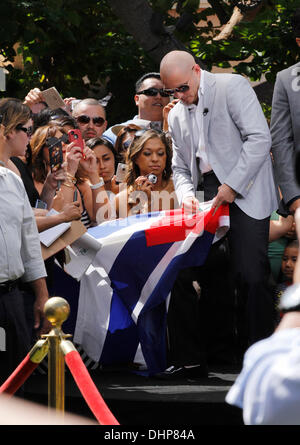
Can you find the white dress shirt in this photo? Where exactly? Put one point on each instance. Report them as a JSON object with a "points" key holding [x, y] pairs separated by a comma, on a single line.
{"points": [[20, 249], [196, 116], [268, 388]]}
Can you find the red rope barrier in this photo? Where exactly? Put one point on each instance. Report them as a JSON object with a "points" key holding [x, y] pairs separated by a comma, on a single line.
{"points": [[19, 376], [89, 390]]}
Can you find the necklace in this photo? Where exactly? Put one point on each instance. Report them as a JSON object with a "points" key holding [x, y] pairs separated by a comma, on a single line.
{"points": [[2, 163]]}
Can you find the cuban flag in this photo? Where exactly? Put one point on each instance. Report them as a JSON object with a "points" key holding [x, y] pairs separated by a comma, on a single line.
{"points": [[123, 295]]}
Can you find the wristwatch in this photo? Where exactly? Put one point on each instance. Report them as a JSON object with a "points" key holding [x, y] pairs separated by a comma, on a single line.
{"points": [[98, 185], [290, 299]]}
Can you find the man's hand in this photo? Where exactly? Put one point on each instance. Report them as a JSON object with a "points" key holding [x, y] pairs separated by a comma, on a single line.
{"points": [[190, 205], [166, 111], [293, 207], [40, 322], [41, 297], [225, 195]]}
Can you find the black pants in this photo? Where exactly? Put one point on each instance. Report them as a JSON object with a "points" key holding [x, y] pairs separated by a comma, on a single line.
{"points": [[235, 306], [186, 341], [239, 286], [14, 332]]}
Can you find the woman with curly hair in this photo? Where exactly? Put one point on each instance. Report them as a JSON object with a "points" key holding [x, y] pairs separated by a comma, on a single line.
{"points": [[150, 186]]}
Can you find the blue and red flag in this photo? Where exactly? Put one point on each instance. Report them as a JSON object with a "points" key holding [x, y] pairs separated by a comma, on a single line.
{"points": [[122, 307]]}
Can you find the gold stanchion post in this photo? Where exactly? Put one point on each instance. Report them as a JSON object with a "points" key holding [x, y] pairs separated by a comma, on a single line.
{"points": [[56, 310]]}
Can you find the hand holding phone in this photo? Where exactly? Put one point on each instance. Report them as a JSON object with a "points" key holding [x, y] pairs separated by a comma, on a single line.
{"points": [[52, 98], [121, 172], [76, 136], [55, 154]]}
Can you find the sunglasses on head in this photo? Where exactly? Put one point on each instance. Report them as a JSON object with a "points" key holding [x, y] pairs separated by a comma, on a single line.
{"points": [[140, 133], [181, 89], [154, 92], [52, 141], [126, 144], [84, 119], [28, 130]]}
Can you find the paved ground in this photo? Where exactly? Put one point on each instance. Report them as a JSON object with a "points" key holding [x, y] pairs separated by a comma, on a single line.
{"points": [[138, 400]]}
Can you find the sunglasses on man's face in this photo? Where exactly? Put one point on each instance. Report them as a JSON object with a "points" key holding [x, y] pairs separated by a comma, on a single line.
{"points": [[28, 130], [180, 89], [153, 92], [84, 119]]}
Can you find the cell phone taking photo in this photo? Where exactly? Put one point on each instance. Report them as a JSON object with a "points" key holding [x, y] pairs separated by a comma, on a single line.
{"points": [[55, 153], [121, 172], [76, 136]]}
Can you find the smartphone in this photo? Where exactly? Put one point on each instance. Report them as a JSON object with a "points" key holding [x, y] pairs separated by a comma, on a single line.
{"points": [[56, 155], [76, 136], [75, 196], [121, 172], [40, 204]]}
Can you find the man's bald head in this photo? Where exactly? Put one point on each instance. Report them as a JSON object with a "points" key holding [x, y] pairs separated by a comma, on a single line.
{"points": [[176, 62], [178, 69]]}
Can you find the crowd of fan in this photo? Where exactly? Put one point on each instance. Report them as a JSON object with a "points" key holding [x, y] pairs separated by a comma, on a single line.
{"points": [[121, 171]]}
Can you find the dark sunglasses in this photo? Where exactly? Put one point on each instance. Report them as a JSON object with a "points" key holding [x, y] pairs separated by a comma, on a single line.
{"points": [[28, 130], [84, 119], [181, 89], [52, 141], [140, 133], [154, 92]]}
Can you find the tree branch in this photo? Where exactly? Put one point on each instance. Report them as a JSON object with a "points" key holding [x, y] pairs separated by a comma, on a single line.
{"points": [[235, 19], [237, 16], [137, 21], [219, 10]]}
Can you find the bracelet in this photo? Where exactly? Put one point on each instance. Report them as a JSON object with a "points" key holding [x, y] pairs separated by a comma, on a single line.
{"points": [[68, 184], [71, 178], [98, 185]]}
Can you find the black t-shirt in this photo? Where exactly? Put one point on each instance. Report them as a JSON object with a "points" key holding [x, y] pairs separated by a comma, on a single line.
{"points": [[26, 177]]}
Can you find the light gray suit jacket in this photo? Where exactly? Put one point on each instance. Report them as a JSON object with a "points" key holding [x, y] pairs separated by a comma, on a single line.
{"points": [[285, 129], [237, 141]]}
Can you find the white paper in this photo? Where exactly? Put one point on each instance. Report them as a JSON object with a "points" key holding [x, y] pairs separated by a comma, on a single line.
{"points": [[80, 255], [47, 237]]}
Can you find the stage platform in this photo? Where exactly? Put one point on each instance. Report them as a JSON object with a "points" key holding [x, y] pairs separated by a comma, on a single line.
{"points": [[146, 401]]}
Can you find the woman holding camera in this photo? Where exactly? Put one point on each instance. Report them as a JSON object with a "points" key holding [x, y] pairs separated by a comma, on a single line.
{"points": [[149, 184]]}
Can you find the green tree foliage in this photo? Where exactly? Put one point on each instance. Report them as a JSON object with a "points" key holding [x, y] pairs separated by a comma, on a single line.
{"points": [[63, 41], [267, 42]]}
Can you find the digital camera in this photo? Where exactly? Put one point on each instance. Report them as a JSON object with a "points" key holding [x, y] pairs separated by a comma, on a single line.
{"points": [[152, 178]]}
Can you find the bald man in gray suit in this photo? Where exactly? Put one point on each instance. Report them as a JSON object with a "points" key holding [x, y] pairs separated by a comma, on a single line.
{"points": [[219, 133], [285, 128]]}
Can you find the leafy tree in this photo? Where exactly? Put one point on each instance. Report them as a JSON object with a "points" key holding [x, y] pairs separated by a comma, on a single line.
{"points": [[267, 42], [63, 41], [113, 42]]}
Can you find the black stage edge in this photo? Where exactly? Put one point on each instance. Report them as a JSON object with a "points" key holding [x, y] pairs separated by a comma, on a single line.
{"points": [[139, 400]]}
